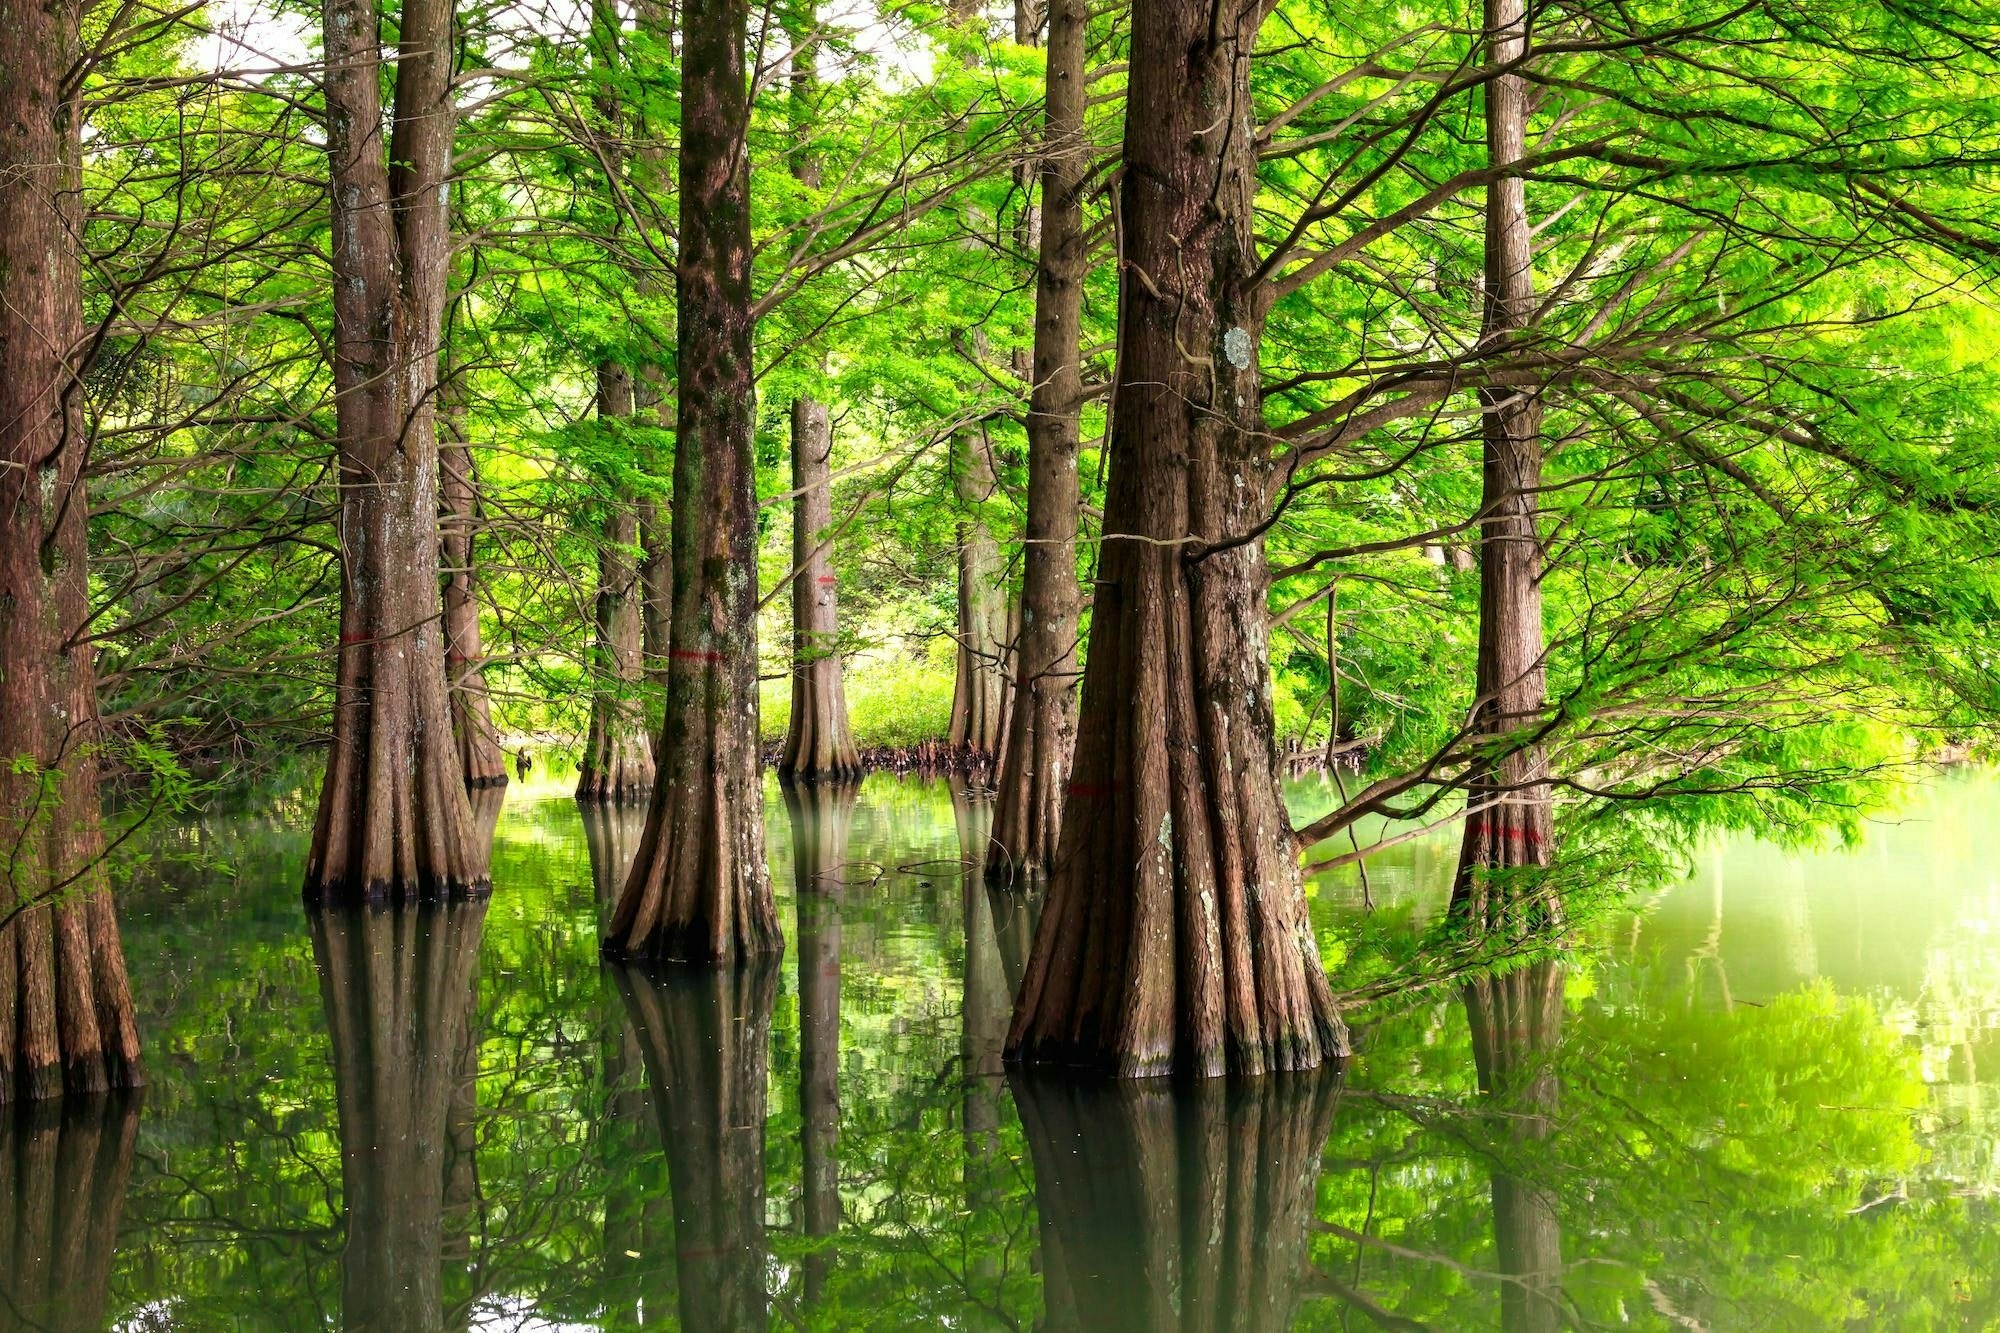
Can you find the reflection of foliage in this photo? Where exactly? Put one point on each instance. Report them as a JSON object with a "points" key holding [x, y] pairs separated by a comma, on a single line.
{"points": [[1752, 1168]]}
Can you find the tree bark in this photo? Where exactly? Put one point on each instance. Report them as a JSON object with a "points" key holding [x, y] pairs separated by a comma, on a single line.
{"points": [[817, 741], [1167, 1207], [1510, 825], [699, 889], [979, 691], [1516, 1023], [617, 767], [399, 987], [394, 821], [479, 752], [821, 814], [64, 1168], [1175, 937], [1027, 819], [707, 1039], [65, 1005]]}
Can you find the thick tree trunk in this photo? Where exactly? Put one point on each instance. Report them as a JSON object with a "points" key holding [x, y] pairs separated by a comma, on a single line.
{"points": [[479, 753], [821, 814], [979, 693], [1175, 937], [699, 889], [1027, 818], [707, 1040], [817, 743], [617, 767], [399, 987], [1509, 821], [1516, 1023], [394, 820], [64, 1167], [65, 1007], [1167, 1207]]}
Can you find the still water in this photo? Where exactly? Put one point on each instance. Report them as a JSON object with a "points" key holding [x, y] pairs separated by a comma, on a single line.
{"points": [[1768, 1099]]}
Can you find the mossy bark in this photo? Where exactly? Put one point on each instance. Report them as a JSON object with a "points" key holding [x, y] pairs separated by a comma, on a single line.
{"points": [[699, 889], [65, 1005], [1175, 937], [394, 821]]}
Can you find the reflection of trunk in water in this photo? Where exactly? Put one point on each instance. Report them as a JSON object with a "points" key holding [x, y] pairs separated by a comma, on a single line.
{"points": [[1176, 1207], [636, 1228], [63, 1168], [1516, 1025], [986, 1003], [821, 813], [706, 1037], [611, 833], [399, 991]]}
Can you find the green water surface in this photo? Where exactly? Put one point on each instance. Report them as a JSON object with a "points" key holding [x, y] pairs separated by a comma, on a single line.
{"points": [[1766, 1099]]}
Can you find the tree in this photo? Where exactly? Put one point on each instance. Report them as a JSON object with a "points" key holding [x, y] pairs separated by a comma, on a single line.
{"points": [[1175, 937], [617, 766], [1027, 818], [699, 889], [65, 1007], [399, 990], [394, 821], [817, 740], [1509, 824], [479, 752]]}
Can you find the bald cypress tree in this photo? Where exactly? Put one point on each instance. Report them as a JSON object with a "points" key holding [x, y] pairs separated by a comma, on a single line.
{"points": [[65, 1007], [1175, 936]]}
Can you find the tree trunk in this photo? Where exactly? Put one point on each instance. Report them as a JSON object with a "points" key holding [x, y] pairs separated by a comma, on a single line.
{"points": [[394, 820], [699, 889], [1175, 937], [617, 767], [63, 1174], [707, 1040], [65, 1007], [1516, 1023], [1027, 818], [1176, 1207], [979, 692], [1509, 824], [817, 742], [821, 814], [479, 753], [399, 987]]}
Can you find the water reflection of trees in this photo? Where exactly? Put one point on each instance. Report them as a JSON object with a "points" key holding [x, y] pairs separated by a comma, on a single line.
{"points": [[705, 1035], [1516, 1023], [398, 988], [821, 814], [1519, 1161], [63, 1170], [1176, 1207]]}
